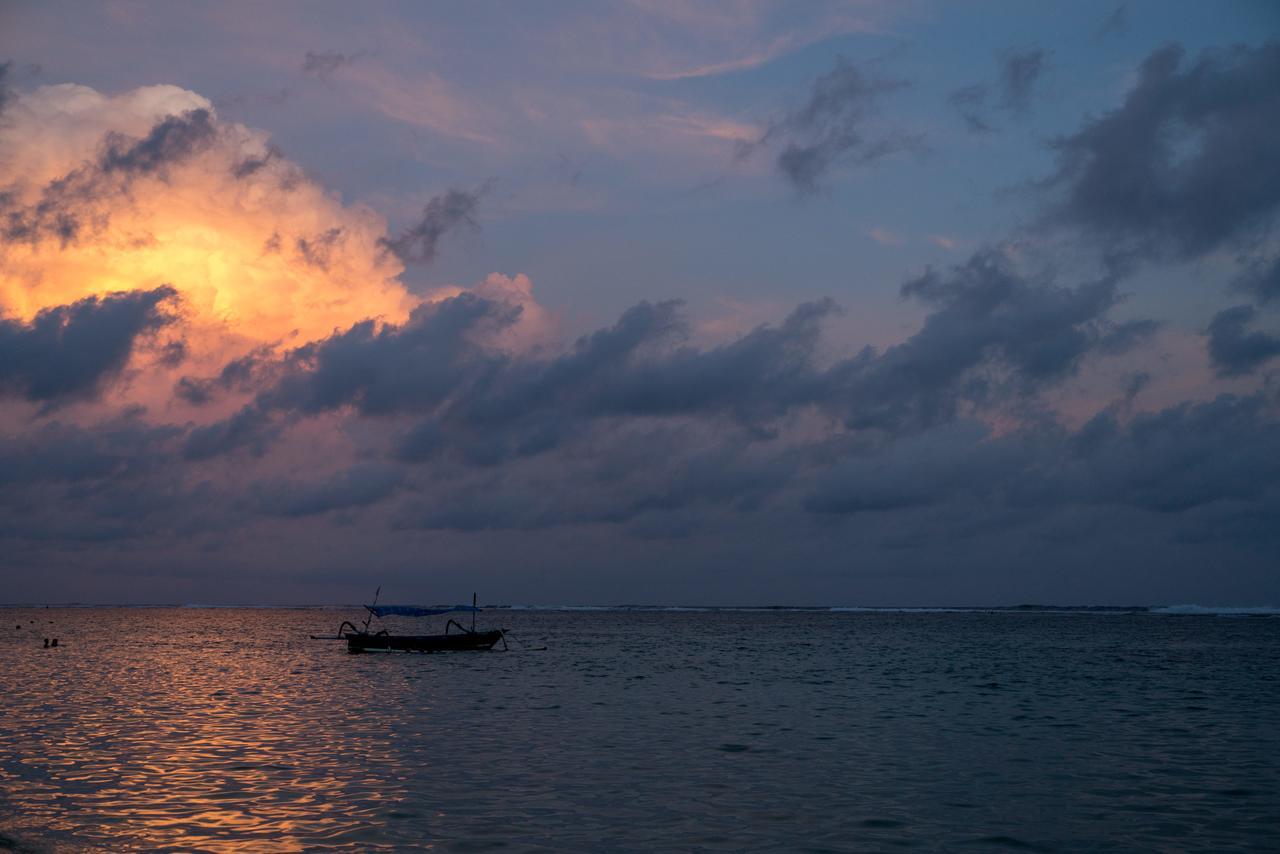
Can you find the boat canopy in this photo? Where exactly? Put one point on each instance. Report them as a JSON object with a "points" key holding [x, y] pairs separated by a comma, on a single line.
{"points": [[414, 610]]}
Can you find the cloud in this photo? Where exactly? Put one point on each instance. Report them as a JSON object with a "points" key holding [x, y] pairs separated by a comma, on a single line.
{"points": [[1018, 73], [667, 127], [677, 41], [70, 351], [441, 364], [1116, 23], [1179, 460], [971, 103], [1020, 70], [995, 336], [1232, 350], [1185, 165], [380, 370], [533, 328], [653, 479], [1123, 337], [426, 101], [237, 375], [112, 192], [885, 237], [324, 64], [5, 94], [251, 428], [173, 139], [916, 471], [345, 399], [72, 206], [357, 486], [122, 448], [419, 243], [833, 128], [1260, 279]]}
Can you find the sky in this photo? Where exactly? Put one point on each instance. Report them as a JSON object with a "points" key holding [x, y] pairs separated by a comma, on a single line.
{"points": [[660, 301]]}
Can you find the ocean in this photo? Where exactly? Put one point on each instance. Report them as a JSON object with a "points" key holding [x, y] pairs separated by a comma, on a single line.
{"points": [[228, 729]]}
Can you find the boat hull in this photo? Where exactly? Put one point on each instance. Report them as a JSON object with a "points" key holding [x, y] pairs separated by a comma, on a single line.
{"points": [[458, 642]]}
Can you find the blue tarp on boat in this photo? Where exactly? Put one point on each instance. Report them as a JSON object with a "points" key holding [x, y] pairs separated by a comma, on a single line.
{"points": [[414, 610]]}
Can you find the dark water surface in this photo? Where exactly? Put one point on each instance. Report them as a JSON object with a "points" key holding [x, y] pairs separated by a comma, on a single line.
{"points": [[229, 730]]}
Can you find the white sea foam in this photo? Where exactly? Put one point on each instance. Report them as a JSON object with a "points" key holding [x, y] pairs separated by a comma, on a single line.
{"points": [[858, 609], [558, 608], [1219, 610]]}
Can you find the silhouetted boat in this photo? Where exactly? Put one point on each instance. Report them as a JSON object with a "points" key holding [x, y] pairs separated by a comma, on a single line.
{"points": [[456, 637], [460, 641]]}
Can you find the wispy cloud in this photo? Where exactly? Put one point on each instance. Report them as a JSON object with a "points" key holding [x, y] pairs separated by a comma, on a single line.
{"points": [[832, 128], [885, 237], [425, 100]]}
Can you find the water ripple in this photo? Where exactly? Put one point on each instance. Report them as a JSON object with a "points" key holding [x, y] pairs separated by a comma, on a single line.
{"points": [[229, 730]]}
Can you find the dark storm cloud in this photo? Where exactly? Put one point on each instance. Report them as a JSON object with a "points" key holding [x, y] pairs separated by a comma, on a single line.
{"points": [[6, 95], [833, 128], [251, 428], [419, 243], [622, 474], [1186, 164], [993, 336], [391, 369], [70, 351], [69, 485], [374, 370], [634, 429], [488, 404], [639, 368], [1123, 337], [1261, 279], [1180, 459], [1210, 469], [632, 425], [236, 375], [123, 448], [988, 316], [1020, 70], [1234, 351], [635, 368], [358, 486], [325, 63], [916, 471], [1171, 461]]}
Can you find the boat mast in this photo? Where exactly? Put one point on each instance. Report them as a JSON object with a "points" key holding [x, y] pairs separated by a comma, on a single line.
{"points": [[370, 608]]}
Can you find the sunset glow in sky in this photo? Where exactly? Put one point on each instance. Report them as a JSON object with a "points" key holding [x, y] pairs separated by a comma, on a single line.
{"points": [[652, 301]]}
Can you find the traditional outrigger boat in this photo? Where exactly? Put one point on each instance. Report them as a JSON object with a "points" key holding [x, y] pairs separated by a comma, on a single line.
{"points": [[456, 637]]}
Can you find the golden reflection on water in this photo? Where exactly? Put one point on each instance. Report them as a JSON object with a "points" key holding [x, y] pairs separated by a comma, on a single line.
{"points": [[132, 736]]}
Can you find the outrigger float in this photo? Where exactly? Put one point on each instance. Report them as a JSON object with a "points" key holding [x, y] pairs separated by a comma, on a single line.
{"points": [[456, 637]]}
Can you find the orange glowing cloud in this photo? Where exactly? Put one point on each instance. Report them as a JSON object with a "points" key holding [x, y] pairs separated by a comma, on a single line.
{"points": [[102, 194], [257, 252]]}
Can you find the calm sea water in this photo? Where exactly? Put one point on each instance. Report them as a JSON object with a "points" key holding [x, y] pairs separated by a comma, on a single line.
{"points": [[228, 730]]}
